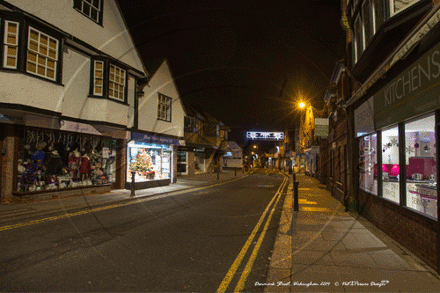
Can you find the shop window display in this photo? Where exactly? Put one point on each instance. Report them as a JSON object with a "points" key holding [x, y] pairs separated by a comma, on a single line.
{"points": [[55, 160], [390, 164], [368, 163], [421, 166], [148, 161]]}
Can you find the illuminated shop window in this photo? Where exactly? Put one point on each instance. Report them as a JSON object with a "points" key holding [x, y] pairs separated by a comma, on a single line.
{"points": [[368, 163], [421, 166], [390, 164]]}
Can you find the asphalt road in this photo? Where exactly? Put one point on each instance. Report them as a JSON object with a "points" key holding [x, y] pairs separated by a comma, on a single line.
{"points": [[200, 241]]}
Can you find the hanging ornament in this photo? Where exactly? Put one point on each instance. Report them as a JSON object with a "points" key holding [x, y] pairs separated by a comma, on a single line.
{"points": [[416, 145]]}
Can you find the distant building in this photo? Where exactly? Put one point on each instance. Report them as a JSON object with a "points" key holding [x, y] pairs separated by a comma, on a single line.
{"points": [[233, 158]]}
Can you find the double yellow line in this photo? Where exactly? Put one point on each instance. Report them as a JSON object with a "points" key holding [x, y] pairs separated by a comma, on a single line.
{"points": [[233, 269]]}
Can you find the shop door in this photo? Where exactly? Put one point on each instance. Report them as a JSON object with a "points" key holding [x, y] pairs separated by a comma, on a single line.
{"points": [[182, 163]]}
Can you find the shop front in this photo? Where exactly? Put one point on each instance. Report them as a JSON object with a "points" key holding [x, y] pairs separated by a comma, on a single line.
{"points": [[150, 161], [48, 157], [398, 139]]}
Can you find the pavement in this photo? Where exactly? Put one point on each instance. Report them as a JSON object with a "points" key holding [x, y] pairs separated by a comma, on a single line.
{"points": [[13, 212], [322, 248]]}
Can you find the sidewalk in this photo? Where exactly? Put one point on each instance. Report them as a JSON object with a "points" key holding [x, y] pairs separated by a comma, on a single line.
{"points": [[322, 248], [25, 211]]}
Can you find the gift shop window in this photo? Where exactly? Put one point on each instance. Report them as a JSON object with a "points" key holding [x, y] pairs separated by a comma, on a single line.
{"points": [[148, 162], [50, 160], [421, 166], [390, 164]]}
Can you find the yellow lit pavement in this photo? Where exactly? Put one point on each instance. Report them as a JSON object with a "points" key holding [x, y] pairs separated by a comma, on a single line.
{"points": [[321, 248]]}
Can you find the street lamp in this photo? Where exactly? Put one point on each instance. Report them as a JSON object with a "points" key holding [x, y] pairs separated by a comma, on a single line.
{"points": [[301, 105]]}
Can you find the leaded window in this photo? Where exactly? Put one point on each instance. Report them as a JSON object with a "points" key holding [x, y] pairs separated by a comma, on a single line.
{"points": [[164, 108]]}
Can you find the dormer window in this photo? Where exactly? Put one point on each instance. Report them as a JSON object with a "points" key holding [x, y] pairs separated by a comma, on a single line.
{"points": [[90, 8]]}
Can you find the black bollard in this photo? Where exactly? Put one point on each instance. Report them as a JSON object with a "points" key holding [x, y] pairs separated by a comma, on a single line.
{"points": [[295, 196], [294, 177], [218, 173], [132, 182]]}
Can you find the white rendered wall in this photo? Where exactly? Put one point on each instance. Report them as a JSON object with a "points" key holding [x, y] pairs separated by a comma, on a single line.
{"points": [[23, 89], [76, 100], [112, 37], [162, 82]]}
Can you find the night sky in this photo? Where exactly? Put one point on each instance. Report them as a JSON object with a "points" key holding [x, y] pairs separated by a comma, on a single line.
{"points": [[245, 62]]}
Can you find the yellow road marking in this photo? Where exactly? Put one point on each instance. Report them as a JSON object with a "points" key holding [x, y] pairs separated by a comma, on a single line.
{"points": [[250, 263], [69, 215], [233, 269]]}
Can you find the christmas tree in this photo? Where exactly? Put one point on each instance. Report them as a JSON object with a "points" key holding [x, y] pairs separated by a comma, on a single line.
{"points": [[143, 163]]}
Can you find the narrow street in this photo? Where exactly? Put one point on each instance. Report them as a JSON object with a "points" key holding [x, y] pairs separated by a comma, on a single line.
{"points": [[189, 241]]}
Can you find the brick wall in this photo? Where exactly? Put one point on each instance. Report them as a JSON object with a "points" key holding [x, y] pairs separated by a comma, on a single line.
{"points": [[413, 231], [10, 143]]}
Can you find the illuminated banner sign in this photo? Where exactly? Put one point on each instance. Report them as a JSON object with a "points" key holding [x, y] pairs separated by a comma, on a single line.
{"points": [[265, 135]]}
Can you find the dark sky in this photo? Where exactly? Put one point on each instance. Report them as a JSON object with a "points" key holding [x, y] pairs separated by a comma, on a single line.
{"points": [[235, 57]]}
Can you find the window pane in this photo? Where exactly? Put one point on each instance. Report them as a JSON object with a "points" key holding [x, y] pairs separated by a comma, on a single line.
{"points": [[86, 8], [32, 57], [12, 51], [12, 39], [50, 73], [378, 14], [31, 67], [41, 70], [50, 64], [33, 46], [41, 60], [12, 28], [34, 35], [10, 61], [96, 3], [390, 164], [44, 40], [366, 17], [421, 173], [43, 50], [368, 163], [98, 65], [53, 44]]}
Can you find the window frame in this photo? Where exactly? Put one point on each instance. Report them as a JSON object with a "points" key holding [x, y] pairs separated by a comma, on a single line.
{"points": [[6, 45], [107, 63], [38, 53], [120, 77], [24, 26], [161, 106], [99, 13]]}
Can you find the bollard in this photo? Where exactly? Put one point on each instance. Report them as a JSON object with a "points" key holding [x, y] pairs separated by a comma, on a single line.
{"points": [[294, 177], [295, 196], [132, 182], [218, 173]]}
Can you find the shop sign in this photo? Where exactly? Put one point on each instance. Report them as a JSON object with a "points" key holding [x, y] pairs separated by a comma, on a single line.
{"points": [[78, 127], [149, 138], [321, 127], [364, 118], [413, 92]]}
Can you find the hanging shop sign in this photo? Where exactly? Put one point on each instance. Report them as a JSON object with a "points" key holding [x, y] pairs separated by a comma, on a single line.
{"points": [[150, 138], [401, 98], [321, 127], [78, 127], [257, 135]]}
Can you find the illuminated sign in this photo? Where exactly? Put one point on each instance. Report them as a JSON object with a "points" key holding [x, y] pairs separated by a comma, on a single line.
{"points": [[265, 135]]}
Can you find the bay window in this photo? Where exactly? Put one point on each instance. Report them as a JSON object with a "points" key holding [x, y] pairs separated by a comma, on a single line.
{"points": [[42, 54]]}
